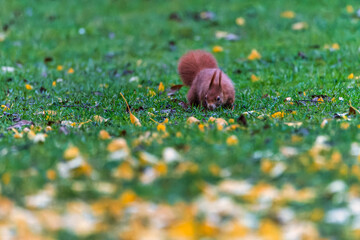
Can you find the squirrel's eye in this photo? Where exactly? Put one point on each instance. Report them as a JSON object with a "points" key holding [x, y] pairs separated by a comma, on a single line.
{"points": [[218, 99]]}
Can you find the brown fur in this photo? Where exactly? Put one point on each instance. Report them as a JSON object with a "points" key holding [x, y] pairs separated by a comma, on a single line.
{"points": [[192, 62], [209, 86]]}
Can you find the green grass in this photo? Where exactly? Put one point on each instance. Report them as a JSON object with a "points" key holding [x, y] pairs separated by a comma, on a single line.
{"points": [[125, 39]]}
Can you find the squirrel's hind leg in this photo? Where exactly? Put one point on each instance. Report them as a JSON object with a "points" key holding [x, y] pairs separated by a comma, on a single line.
{"points": [[192, 97]]}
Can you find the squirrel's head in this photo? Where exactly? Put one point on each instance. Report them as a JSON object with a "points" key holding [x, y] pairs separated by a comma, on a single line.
{"points": [[214, 96]]}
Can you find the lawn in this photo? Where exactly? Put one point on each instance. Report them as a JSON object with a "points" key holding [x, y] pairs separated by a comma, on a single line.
{"points": [[77, 163]]}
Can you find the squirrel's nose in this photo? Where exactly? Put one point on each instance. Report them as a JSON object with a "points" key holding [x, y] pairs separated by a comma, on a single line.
{"points": [[212, 106]]}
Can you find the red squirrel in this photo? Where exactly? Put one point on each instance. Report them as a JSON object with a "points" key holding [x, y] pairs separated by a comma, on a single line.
{"points": [[209, 86]]}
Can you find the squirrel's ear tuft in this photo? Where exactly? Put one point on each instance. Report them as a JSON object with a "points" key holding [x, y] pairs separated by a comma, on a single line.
{"points": [[220, 78], [212, 79]]}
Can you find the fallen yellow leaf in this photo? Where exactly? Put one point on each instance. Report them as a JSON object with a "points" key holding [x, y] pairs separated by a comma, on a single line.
{"points": [[17, 134], [221, 121], [51, 174], [287, 14], [296, 138], [278, 115], [232, 140], [217, 49], [117, 144], [161, 87], [28, 87], [240, 21], [192, 120], [161, 127], [270, 230], [127, 197], [84, 169], [344, 125], [161, 169], [266, 165], [335, 46], [152, 93], [124, 171], [99, 119], [5, 108], [214, 169], [133, 119], [104, 135], [254, 78], [211, 119], [209, 230], [183, 230], [254, 55], [317, 214], [349, 9], [71, 153], [6, 178]]}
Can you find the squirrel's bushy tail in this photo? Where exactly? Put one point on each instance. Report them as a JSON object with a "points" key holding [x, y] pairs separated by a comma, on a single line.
{"points": [[192, 62]]}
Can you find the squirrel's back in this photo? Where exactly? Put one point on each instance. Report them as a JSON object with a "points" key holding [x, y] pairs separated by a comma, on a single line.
{"points": [[192, 63]]}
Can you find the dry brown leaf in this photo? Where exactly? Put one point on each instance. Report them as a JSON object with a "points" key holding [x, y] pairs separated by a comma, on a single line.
{"points": [[242, 120], [99, 119], [174, 89], [20, 124], [353, 111], [192, 120]]}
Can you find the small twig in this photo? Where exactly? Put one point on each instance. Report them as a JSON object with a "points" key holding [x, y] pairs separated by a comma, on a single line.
{"points": [[254, 116], [259, 108], [126, 102], [154, 121]]}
